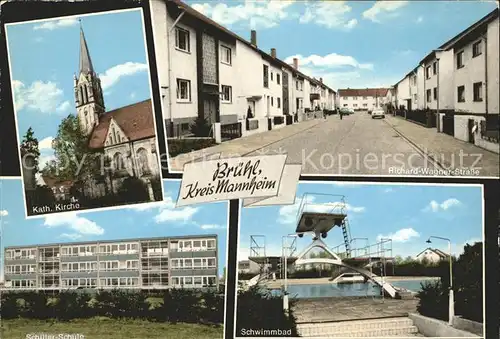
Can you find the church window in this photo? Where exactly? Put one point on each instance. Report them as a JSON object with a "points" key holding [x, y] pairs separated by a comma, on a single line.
{"points": [[142, 160], [85, 93], [118, 161], [114, 136]]}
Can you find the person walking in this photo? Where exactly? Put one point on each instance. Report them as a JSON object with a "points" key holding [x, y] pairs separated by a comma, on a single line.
{"points": [[341, 114]]}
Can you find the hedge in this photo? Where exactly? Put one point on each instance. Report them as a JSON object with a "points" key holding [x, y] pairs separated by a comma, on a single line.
{"points": [[176, 305], [186, 145]]}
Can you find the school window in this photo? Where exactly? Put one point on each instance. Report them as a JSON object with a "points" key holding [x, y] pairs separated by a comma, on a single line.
{"points": [[461, 93], [225, 55], [428, 95], [278, 102], [355, 98], [278, 79], [182, 39], [477, 49], [478, 91], [460, 59], [183, 90], [435, 68], [355, 105], [227, 93], [365, 105], [435, 93], [365, 98]]}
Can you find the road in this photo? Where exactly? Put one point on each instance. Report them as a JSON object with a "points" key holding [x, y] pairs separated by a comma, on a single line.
{"points": [[355, 145]]}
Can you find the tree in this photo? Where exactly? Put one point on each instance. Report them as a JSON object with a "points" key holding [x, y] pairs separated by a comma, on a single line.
{"points": [[74, 159], [30, 153], [398, 259], [201, 128]]}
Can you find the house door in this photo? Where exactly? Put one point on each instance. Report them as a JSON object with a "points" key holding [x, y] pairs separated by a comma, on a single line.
{"points": [[409, 104], [251, 104], [470, 126], [210, 111]]}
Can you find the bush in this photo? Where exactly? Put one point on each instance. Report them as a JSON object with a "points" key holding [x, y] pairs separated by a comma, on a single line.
{"points": [[71, 305], [200, 127], [156, 185], [133, 190], [186, 145], [433, 300], [261, 311]]}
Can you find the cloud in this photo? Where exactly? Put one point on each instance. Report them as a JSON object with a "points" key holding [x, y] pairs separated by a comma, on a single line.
{"points": [[74, 222], [45, 97], [212, 227], [288, 213], [45, 143], [388, 190], [251, 14], [332, 60], [383, 8], [435, 206], [4, 213], [329, 14], [115, 73], [55, 24], [167, 211], [132, 95], [419, 19], [403, 235]]}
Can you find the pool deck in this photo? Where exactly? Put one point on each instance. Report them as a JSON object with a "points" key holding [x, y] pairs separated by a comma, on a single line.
{"points": [[320, 281], [350, 308]]}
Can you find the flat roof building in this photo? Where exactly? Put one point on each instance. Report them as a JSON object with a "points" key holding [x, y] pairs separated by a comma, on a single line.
{"points": [[146, 263]]}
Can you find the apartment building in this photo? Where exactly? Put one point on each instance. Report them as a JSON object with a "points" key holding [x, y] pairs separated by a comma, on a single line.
{"points": [[362, 99], [207, 71], [149, 263], [460, 79]]}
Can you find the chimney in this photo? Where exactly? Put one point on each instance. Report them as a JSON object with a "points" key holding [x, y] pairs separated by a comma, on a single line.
{"points": [[321, 80], [253, 37], [296, 63], [273, 52]]}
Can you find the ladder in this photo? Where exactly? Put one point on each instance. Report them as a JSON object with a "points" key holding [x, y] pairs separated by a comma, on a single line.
{"points": [[346, 232]]}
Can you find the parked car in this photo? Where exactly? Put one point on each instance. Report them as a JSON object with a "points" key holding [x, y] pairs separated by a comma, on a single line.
{"points": [[345, 111], [378, 113]]}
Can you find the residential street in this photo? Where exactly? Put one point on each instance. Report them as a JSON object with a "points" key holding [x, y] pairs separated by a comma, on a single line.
{"points": [[360, 145]]}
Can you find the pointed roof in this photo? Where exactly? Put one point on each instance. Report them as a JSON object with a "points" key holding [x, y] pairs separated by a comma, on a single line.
{"points": [[85, 61]]}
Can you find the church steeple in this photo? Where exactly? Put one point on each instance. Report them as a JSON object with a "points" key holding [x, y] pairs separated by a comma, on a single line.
{"points": [[85, 60], [89, 99]]}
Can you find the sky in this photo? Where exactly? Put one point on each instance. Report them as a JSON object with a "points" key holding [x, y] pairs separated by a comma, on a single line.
{"points": [[145, 220], [407, 214], [44, 56], [354, 44]]}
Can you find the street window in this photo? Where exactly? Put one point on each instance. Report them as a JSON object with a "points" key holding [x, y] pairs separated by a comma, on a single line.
{"points": [[271, 76], [278, 79], [428, 72], [428, 95], [225, 55], [183, 90], [227, 93], [354, 98], [355, 105], [182, 39], [461, 93], [435, 93], [365, 105], [365, 98], [460, 59], [477, 49], [435, 68], [266, 76], [478, 91], [297, 85], [278, 102], [272, 101]]}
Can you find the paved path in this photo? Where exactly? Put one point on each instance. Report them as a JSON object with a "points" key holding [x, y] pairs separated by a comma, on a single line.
{"points": [[350, 308], [358, 145]]}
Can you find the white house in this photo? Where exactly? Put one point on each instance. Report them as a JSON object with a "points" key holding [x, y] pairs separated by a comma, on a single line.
{"points": [[431, 255], [362, 99]]}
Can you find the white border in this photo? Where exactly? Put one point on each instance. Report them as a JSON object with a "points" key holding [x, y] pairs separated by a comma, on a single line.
{"points": [[360, 183], [151, 97]]}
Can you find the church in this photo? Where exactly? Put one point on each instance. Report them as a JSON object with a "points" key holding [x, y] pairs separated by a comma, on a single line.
{"points": [[126, 135]]}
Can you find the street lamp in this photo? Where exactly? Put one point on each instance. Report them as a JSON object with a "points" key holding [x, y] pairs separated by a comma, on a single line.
{"points": [[438, 121], [451, 306]]}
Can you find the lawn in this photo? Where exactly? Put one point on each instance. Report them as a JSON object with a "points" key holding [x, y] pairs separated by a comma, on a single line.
{"points": [[103, 328]]}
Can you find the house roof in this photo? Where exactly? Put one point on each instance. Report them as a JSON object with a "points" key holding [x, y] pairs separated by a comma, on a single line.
{"points": [[363, 92], [194, 13], [441, 254], [135, 120], [474, 27]]}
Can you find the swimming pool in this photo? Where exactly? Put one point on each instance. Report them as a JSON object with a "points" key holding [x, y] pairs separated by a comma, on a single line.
{"points": [[346, 290]]}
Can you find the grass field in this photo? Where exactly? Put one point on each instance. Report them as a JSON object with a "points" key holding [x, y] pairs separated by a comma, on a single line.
{"points": [[103, 328]]}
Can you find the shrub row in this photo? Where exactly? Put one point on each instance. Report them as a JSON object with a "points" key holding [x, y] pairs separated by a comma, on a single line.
{"points": [[176, 305]]}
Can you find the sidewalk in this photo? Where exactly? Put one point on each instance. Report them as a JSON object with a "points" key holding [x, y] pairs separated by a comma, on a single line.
{"points": [[449, 152], [242, 146]]}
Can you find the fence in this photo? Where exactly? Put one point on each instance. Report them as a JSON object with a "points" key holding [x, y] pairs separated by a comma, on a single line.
{"points": [[231, 131], [279, 120]]}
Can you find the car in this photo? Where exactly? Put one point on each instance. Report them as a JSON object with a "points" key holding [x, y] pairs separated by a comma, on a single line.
{"points": [[378, 113], [345, 111]]}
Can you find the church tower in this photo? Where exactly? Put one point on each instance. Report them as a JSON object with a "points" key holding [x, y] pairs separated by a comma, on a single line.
{"points": [[88, 92]]}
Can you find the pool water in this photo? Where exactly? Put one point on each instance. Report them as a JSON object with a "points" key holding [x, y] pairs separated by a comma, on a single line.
{"points": [[345, 290]]}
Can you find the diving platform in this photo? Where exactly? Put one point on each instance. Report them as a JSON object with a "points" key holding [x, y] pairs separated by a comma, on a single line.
{"points": [[273, 261]]}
